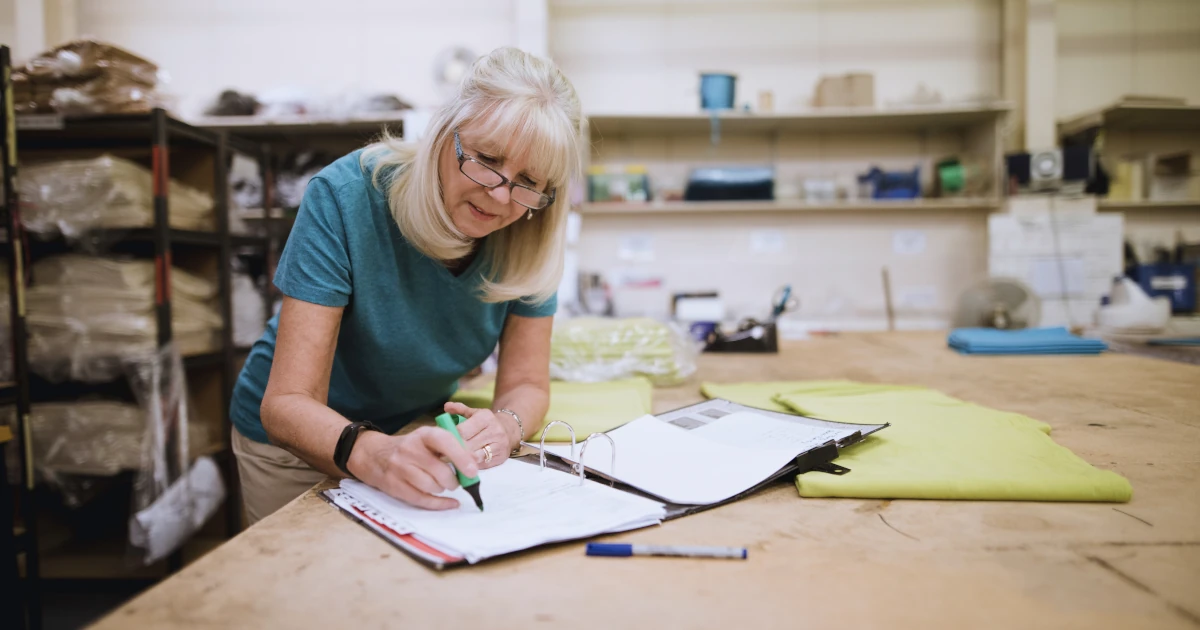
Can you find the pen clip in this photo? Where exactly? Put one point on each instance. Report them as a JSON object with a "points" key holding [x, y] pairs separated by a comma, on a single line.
{"points": [[542, 445]]}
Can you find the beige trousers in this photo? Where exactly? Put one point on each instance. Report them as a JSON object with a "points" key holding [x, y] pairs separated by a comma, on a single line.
{"points": [[271, 477]]}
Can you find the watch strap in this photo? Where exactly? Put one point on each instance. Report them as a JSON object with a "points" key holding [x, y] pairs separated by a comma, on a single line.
{"points": [[345, 444]]}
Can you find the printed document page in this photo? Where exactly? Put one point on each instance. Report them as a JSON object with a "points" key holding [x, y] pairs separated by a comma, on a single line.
{"points": [[524, 506], [677, 465]]}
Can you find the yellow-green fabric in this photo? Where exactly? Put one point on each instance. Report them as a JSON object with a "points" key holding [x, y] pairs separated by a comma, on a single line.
{"points": [[761, 395], [587, 407], [937, 447]]}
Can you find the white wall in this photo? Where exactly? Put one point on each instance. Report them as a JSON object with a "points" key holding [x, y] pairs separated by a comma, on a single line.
{"points": [[832, 260], [322, 48], [8, 22], [630, 56], [1111, 48]]}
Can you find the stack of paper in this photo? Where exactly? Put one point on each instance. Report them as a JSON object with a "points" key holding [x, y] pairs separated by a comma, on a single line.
{"points": [[524, 506], [1029, 341]]}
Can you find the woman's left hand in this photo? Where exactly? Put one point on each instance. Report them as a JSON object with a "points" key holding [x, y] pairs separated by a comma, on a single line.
{"points": [[485, 428]]}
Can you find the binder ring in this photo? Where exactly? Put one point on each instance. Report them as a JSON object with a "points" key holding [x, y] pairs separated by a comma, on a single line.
{"points": [[542, 446], [612, 466]]}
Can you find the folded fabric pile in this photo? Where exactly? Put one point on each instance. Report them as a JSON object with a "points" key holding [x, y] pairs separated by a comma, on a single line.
{"points": [[74, 196], [937, 447], [594, 349], [1028, 341], [587, 407], [86, 77], [87, 313]]}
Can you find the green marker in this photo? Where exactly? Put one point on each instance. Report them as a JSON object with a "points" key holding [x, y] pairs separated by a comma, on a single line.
{"points": [[450, 423]]}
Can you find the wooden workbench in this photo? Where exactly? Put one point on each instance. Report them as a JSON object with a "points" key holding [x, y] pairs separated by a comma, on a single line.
{"points": [[834, 563]]}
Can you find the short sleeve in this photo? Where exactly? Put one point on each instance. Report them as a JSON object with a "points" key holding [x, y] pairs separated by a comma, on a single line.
{"points": [[315, 264], [524, 308]]}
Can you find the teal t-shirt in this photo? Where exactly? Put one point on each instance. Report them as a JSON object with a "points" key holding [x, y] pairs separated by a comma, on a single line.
{"points": [[410, 328]]}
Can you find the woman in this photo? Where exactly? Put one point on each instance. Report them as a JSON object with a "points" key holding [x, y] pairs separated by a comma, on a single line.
{"points": [[406, 266]]}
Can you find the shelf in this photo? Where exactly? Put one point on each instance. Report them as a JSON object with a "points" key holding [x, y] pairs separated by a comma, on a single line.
{"points": [[689, 207], [1134, 206], [263, 129], [105, 559], [207, 359], [117, 236], [53, 131], [247, 241], [819, 120], [1135, 117], [181, 237]]}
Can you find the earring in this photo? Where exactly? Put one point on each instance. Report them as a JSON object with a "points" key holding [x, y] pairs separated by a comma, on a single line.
{"points": [[530, 215]]}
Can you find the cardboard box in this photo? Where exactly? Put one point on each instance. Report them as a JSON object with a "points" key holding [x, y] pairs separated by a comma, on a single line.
{"points": [[1173, 178], [855, 89]]}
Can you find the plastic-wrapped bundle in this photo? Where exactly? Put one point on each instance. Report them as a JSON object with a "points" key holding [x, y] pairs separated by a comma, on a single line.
{"points": [[249, 311], [171, 498], [593, 349], [93, 437], [87, 313], [74, 196], [86, 77], [87, 437]]}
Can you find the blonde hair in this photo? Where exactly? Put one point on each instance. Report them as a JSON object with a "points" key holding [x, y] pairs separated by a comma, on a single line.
{"points": [[514, 95]]}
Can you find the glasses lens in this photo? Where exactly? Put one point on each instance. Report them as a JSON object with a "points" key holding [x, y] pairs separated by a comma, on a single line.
{"points": [[529, 198], [481, 174]]}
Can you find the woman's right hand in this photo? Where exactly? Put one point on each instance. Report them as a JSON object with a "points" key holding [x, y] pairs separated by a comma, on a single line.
{"points": [[411, 467]]}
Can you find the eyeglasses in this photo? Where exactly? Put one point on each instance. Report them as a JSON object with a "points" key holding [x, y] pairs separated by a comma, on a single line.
{"points": [[487, 177]]}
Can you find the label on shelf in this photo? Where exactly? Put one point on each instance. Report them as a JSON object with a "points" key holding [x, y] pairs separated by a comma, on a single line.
{"points": [[39, 121], [908, 242]]}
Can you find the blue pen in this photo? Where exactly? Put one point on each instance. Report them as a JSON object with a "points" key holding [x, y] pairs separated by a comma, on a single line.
{"points": [[614, 550]]}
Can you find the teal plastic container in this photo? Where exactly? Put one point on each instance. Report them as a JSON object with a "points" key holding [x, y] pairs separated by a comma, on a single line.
{"points": [[717, 91]]}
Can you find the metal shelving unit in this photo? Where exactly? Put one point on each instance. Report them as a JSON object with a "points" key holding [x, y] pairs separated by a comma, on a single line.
{"points": [[279, 136], [162, 139]]}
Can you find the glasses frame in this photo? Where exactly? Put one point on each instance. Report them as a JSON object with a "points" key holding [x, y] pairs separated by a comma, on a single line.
{"points": [[463, 158]]}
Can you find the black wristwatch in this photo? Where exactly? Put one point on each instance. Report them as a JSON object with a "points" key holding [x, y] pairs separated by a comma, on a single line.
{"points": [[345, 444]]}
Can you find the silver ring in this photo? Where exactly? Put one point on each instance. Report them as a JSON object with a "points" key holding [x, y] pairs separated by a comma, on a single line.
{"points": [[487, 453]]}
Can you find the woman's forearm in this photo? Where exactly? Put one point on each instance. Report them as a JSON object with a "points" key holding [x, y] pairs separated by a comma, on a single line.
{"points": [[530, 401], [305, 427]]}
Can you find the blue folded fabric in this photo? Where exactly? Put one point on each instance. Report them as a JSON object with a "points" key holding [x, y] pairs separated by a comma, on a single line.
{"points": [[1028, 341]]}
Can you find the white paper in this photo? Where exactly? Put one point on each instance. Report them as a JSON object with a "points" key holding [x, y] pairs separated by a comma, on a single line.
{"points": [[1028, 247], [636, 248], [524, 506], [766, 242], [908, 242], [674, 465], [1058, 277], [917, 298], [751, 430]]}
